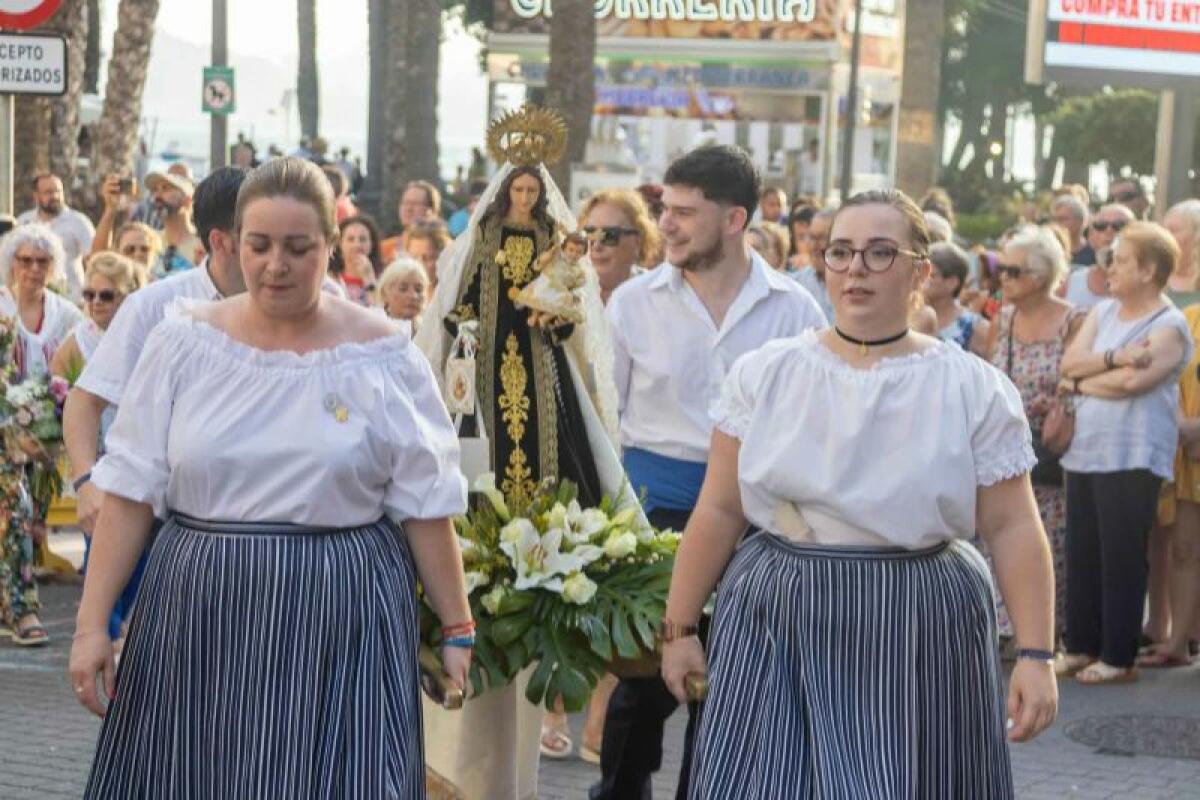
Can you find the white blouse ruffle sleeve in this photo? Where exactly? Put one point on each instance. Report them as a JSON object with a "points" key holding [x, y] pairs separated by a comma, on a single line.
{"points": [[212, 428], [892, 455]]}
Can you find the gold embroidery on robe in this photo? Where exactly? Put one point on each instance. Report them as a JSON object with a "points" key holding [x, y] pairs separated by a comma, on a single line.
{"points": [[518, 265], [514, 407]]}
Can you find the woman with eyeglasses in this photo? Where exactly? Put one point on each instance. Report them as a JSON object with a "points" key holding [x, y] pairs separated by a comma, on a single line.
{"points": [[110, 278], [1124, 368], [852, 652], [622, 236], [139, 242], [31, 258], [1030, 336]]}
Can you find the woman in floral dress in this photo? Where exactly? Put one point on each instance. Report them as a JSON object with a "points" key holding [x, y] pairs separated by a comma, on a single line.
{"points": [[1032, 333]]}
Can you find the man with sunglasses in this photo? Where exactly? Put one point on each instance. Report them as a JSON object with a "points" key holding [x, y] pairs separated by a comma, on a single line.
{"points": [[676, 332], [1128, 192], [1085, 288]]}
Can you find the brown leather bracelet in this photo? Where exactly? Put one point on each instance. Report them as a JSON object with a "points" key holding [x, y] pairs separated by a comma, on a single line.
{"points": [[673, 630]]}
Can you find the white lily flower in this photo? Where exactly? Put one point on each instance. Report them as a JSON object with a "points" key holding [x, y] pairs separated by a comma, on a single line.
{"points": [[557, 517], [578, 589], [515, 530], [539, 561], [486, 485]]}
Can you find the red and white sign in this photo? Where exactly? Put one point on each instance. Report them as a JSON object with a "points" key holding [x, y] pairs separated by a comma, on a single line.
{"points": [[1138, 36], [21, 15]]}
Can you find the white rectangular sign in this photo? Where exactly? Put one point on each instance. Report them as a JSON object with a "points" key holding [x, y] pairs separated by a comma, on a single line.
{"points": [[1124, 37], [33, 64]]}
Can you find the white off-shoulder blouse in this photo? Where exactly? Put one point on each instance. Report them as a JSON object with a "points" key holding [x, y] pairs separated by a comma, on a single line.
{"points": [[215, 429], [891, 455]]}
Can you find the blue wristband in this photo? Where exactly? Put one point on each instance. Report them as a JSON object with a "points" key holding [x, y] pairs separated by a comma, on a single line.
{"points": [[465, 642]]}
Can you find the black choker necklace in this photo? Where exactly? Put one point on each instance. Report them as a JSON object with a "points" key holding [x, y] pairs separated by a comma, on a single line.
{"points": [[863, 344]]}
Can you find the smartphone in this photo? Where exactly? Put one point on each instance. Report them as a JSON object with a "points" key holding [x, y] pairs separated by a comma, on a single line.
{"points": [[125, 186]]}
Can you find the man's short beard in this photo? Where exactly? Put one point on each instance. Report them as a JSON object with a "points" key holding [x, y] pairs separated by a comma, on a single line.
{"points": [[52, 208], [705, 260]]}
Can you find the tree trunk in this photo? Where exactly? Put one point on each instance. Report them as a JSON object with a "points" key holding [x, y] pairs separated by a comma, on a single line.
{"points": [[117, 131], [395, 168], [918, 156], [91, 70], [420, 117], [570, 84], [307, 84], [72, 22], [31, 138], [968, 132], [377, 102]]}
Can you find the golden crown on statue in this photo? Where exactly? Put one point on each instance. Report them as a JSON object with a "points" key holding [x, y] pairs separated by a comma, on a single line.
{"points": [[527, 137]]}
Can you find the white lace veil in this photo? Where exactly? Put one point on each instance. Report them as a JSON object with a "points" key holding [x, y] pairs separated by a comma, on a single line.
{"points": [[590, 347]]}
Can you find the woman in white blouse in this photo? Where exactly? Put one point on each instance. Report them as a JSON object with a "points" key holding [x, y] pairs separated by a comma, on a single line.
{"points": [[853, 649], [285, 435], [31, 258]]}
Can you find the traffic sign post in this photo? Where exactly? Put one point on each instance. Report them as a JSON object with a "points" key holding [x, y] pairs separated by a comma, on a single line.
{"points": [[219, 95], [22, 15], [34, 65]]}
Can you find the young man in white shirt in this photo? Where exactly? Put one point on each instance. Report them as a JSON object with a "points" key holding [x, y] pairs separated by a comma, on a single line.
{"points": [[107, 371], [676, 332], [73, 228]]}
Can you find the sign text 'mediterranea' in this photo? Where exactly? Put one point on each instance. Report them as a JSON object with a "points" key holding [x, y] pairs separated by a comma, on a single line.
{"points": [[691, 10]]}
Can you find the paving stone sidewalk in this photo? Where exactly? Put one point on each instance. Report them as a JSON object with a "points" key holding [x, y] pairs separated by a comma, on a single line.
{"points": [[47, 739]]}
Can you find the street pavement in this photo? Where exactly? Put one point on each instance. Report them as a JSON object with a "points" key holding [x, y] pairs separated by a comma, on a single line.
{"points": [[47, 739]]}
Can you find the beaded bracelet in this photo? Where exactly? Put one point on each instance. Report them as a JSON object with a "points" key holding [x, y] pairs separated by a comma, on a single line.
{"points": [[460, 628], [465, 642]]}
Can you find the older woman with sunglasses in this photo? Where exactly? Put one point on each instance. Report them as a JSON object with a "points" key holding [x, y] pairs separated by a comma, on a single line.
{"points": [[109, 279], [852, 648], [1086, 288], [1030, 336], [621, 236]]}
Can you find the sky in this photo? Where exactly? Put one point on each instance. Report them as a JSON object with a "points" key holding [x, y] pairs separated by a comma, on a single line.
{"points": [[262, 47]]}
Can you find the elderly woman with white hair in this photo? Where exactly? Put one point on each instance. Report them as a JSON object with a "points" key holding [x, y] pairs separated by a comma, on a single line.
{"points": [[1028, 343], [404, 289], [31, 258]]}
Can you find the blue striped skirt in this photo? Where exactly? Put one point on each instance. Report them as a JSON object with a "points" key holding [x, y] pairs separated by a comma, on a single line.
{"points": [[844, 672], [268, 660]]}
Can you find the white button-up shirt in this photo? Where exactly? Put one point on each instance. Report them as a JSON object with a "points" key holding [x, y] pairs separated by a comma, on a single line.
{"points": [[109, 368], [671, 358]]}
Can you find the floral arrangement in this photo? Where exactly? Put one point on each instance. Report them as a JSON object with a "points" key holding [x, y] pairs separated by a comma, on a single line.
{"points": [[567, 588], [31, 413]]}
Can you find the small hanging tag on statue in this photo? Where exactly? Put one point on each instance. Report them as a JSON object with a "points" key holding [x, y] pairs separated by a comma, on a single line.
{"points": [[460, 371]]}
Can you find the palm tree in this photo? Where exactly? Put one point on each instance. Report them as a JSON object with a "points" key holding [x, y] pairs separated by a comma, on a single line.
{"points": [[421, 94], [31, 144], [72, 22], [570, 85], [91, 78], [918, 155], [379, 46], [307, 84], [395, 147], [117, 132]]}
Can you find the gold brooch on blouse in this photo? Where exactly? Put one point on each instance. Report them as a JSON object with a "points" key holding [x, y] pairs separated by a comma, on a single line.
{"points": [[335, 406]]}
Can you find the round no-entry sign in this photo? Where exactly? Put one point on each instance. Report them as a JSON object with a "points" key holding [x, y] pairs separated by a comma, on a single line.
{"points": [[22, 15]]}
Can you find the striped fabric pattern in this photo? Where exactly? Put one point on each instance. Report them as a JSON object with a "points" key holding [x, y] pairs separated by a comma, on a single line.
{"points": [[844, 672], [268, 661]]}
